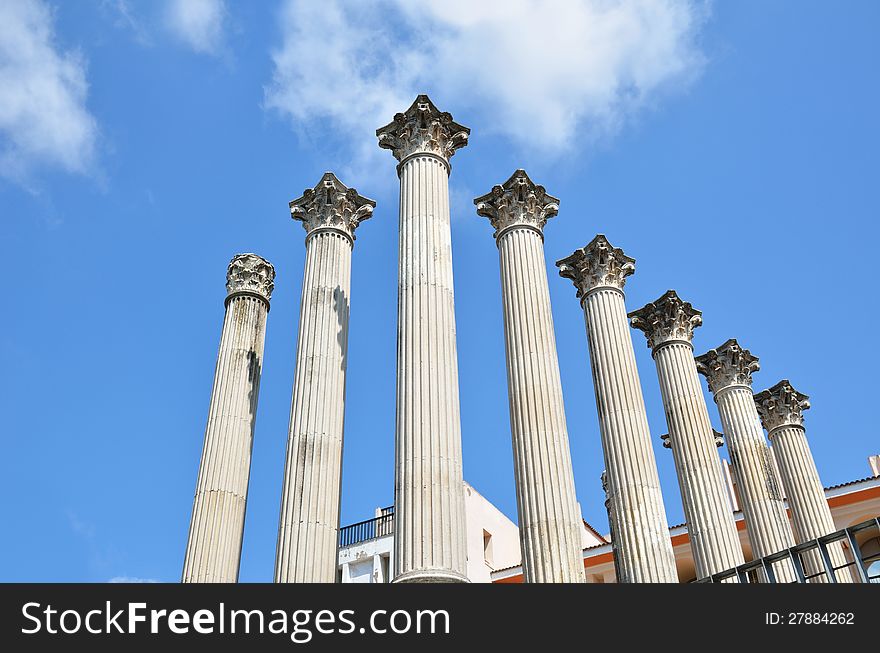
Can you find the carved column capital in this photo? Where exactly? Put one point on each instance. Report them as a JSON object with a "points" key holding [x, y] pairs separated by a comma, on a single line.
{"points": [[666, 319], [331, 205], [728, 365], [249, 274], [423, 129], [598, 265], [517, 202], [781, 405]]}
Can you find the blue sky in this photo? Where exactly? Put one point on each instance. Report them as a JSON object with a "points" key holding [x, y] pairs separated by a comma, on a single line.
{"points": [[729, 147]]}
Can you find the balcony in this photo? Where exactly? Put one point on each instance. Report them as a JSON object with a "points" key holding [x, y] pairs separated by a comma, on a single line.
{"points": [[371, 529]]}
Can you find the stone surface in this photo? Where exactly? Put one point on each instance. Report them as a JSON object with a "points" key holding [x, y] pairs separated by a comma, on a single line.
{"points": [[423, 129], [728, 370], [549, 524], [430, 543], [249, 274], [213, 549], [781, 409], [518, 202], [309, 522], [669, 324], [331, 205], [644, 550]]}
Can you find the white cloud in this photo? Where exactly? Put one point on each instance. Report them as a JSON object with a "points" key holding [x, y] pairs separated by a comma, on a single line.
{"points": [[124, 17], [131, 579], [540, 72], [43, 90], [198, 23]]}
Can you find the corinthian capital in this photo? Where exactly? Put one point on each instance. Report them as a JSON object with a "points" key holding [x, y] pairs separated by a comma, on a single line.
{"points": [[331, 204], [516, 202], [727, 365], [597, 265], [666, 319], [423, 128], [250, 274], [781, 405]]}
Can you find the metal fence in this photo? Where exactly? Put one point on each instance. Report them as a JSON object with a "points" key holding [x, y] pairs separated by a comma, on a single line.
{"points": [[370, 529], [764, 569]]}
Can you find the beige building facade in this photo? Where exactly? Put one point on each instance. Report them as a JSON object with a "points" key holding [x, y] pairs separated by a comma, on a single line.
{"points": [[849, 503]]}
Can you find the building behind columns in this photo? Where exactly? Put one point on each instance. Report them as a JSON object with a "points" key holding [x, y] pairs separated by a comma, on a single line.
{"points": [[493, 539], [367, 548], [850, 503]]}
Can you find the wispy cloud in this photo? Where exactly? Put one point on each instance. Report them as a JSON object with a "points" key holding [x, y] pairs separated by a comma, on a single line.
{"points": [[43, 90], [132, 579], [200, 24], [548, 75], [81, 527], [124, 17]]}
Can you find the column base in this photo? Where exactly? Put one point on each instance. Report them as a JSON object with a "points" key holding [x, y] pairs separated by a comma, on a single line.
{"points": [[431, 576]]}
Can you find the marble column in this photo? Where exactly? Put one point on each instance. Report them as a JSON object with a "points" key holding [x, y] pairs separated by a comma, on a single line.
{"points": [[549, 524], [668, 324], [309, 525], [599, 273], [429, 542], [213, 549], [781, 409], [728, 370]]}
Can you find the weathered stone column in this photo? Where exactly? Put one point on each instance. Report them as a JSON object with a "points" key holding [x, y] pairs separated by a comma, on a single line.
{"points": [[309, 525], [429, 542], [599, 273], [213, 550], [669, 325], [549, 524], [781, 409], [728, 370]]}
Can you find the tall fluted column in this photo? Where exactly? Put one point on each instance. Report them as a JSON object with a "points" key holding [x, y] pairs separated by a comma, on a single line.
{"points": [[781, 409], [309, 525], [213, 549], [728, 370], [669, 325], [549, 524], [599, 272], [429, 537]]}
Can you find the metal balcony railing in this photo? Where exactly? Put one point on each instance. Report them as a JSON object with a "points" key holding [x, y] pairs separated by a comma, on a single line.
{"points": [[764, 568], [371, 529]]}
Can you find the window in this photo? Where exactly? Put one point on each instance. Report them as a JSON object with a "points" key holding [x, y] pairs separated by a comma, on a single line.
{"points": [[874, 572], [871, 556], [386, 560], [487, 547]]}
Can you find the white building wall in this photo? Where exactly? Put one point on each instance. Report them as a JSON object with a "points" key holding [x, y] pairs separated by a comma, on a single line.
{"points": [[492, 538], [492, 543], [367, 562]]}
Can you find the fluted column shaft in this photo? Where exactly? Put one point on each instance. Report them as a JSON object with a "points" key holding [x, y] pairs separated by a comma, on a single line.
{"points": [[711, 527], [549, 524], [762, 504], [213, 550], [309, 525], [645, 550], [810, 513], [429, 514], [429, 518]]}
